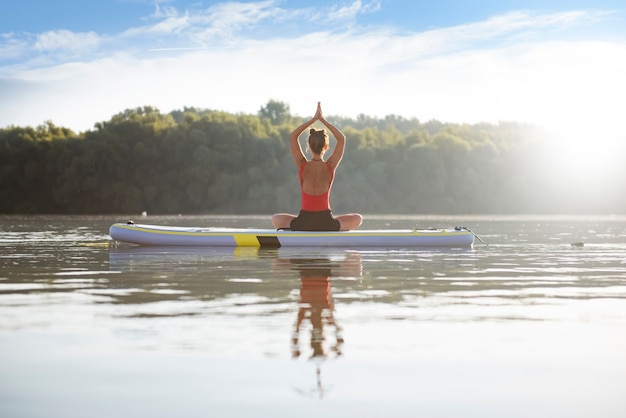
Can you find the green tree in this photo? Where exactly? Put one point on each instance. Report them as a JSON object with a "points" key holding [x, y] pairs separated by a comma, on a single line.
{"points": [[275, 111]]}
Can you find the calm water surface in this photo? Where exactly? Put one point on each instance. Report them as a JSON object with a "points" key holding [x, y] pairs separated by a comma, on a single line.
{"points": [[526, 326]]}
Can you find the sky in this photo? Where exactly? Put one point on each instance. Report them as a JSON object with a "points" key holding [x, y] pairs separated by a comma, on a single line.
{"points": [[558, 64]]}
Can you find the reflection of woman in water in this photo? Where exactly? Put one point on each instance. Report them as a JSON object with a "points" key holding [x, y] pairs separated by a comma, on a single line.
{"points": [[316, 308], [316, 305]]}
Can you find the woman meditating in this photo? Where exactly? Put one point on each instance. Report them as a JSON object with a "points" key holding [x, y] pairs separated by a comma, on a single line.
{"points": [[316, 180]]}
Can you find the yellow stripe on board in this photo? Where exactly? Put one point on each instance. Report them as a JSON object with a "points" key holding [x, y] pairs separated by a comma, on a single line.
{"points": [[246, 240]]}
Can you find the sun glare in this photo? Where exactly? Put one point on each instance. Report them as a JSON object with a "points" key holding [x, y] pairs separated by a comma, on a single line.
{"points": [[586, 161]]}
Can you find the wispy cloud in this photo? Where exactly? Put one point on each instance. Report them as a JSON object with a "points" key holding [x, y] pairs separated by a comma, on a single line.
{"points": [[238, 20], [351, 11], [64, 40], [12, 46], [503, 29]]}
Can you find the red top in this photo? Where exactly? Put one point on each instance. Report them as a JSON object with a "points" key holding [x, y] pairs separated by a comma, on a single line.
{"points": [[316, 203]]}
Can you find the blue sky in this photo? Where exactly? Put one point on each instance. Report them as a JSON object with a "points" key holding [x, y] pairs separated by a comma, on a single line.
{"points": [[558, 64]]}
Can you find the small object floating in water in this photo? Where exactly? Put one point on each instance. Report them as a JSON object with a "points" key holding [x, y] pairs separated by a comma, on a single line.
{"points": [[577, 244], [240, 237]]}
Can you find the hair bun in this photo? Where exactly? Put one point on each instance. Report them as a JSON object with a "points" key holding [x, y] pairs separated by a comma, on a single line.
{"points": [[312, 130]]}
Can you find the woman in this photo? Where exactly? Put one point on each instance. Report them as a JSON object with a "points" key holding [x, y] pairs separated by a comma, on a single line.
{"points": [[316, 179]]}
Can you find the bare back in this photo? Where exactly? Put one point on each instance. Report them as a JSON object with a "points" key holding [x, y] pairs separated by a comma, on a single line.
{"points": [[316, 178]]}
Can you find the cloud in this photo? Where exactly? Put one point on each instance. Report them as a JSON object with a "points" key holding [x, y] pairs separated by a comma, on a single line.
{"points": [[239, 20], [351, 11], [507, 67], [12, 46], [170, 25], [64, 40], [165, 12], [502, 30]]}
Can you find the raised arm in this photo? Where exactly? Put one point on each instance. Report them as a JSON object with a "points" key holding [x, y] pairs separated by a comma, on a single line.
{"points": [[340, 146], [296, 148]]}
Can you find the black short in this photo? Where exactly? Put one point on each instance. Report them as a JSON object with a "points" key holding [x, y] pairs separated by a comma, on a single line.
{"points": [[315, 221]]}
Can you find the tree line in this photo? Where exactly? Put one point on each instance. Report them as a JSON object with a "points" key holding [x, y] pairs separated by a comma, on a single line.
{"points": [[200, 161]]}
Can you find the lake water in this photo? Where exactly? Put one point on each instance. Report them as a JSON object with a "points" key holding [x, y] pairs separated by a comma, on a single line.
{"points": [[525, 326]]}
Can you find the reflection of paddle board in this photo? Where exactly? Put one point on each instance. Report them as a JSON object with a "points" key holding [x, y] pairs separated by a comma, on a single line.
{"points": [[240, 237]]}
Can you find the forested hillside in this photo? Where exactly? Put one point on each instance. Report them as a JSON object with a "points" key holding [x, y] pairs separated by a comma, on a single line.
{"points": [[204, 161]]}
